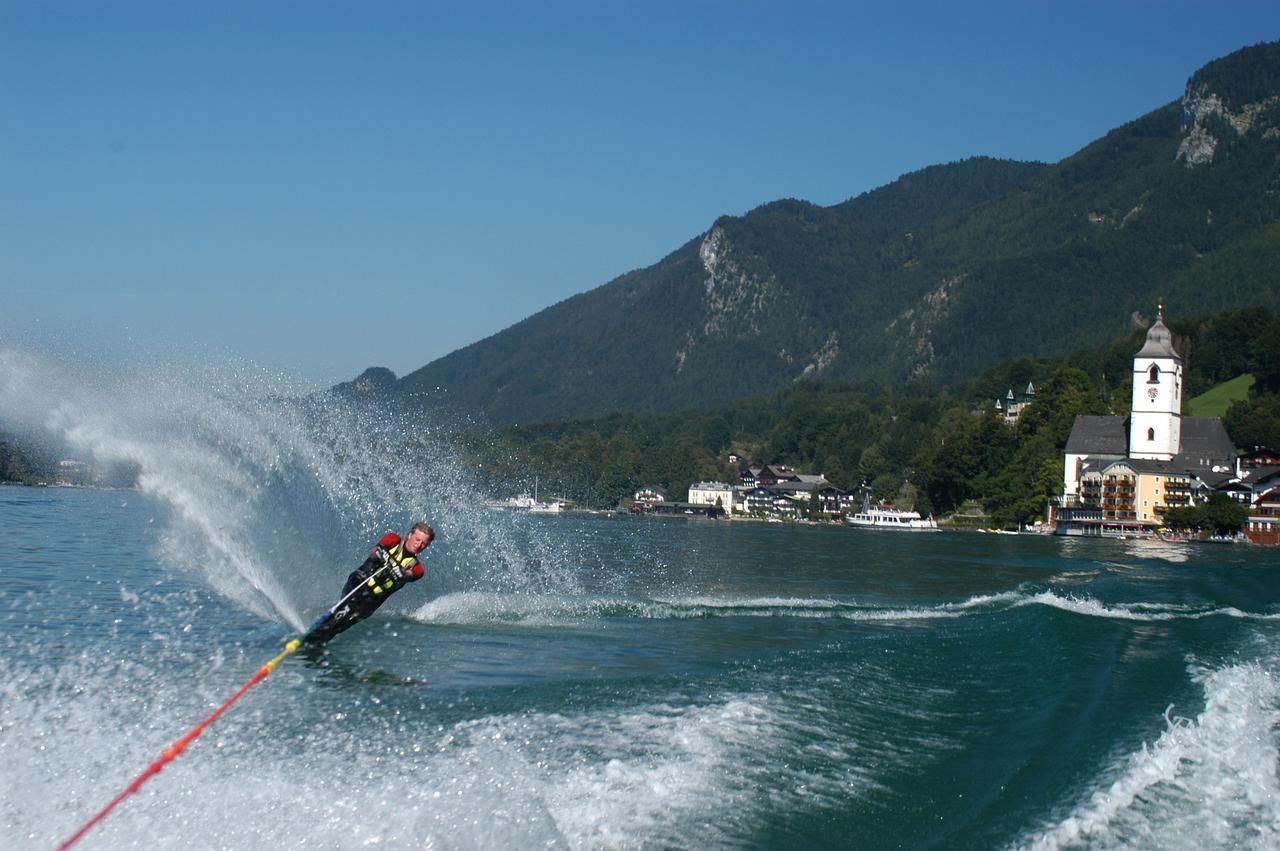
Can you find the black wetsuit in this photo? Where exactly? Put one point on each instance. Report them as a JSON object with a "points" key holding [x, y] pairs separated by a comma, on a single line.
{"points": [[372, 585]]}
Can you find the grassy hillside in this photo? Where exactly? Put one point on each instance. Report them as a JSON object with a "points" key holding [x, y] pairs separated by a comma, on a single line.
{"points": [[1215, 402]]}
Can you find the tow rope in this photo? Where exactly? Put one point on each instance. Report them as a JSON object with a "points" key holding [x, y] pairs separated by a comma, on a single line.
{"points": [[180, 745]]}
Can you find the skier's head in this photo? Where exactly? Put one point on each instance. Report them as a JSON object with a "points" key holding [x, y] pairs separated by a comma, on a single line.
{"points": [[419, 538]]}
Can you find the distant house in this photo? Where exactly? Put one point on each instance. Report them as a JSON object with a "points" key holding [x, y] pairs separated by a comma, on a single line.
{"points": [[760, 500], [1263, 525], [772, 474], [1010, 409], [1251, 483], [795, 488], [1259, 456], [712, 493], [1134, 493], [72, 472], [649, 495], [835, 502]]}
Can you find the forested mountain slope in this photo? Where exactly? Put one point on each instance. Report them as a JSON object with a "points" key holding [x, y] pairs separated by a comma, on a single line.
{"points": [[930, 278]]}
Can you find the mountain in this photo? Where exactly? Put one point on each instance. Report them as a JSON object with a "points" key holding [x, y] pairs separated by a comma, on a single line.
{"points": [[930, 278], [373, 381]]}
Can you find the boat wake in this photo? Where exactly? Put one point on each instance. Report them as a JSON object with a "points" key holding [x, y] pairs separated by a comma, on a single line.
{"points": [[1205, 782], [652, 770], [538, 610]]}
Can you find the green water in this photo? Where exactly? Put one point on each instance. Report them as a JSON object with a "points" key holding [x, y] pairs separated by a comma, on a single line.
{"points": [[645, 684]]}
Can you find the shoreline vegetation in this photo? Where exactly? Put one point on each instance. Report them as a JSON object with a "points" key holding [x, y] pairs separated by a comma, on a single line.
{"points": [[933, 450]]}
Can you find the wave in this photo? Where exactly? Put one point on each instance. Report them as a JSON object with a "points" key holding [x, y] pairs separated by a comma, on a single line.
{"points": [[1091, 607], [647, 773], [475, 607], [1207, 782], [478, 607]]}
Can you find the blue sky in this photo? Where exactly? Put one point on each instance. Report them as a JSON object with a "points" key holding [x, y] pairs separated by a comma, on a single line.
{"points": [[321, 186]]}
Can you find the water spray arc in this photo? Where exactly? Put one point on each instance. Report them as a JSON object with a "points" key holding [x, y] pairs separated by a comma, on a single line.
{"points": [[171, 753]]}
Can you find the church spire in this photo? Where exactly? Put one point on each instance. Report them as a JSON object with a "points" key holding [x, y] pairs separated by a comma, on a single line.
{"points": [[1155, 415], [1159, 342]]}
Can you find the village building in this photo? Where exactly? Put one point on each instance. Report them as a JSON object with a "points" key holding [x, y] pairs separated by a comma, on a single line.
{"points": [[1257, 472], [1263, 525], [771, 502], [712, 493], [1010, 409], [73, 472], [649, 495], [772, 474], [753, 475], [1259, 456], [1256, 485], [834, 503], [1122, 473]]}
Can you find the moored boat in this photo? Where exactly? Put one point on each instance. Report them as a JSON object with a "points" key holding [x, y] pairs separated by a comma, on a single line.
{"points": [[888, 517]]}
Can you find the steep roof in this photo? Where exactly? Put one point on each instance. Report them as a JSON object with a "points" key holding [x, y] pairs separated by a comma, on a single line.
{"points": [[1205, 437], [1256, 475], [795, 487], [1202, 438], [1152, 465], [1159, 342], [1095, 435]]}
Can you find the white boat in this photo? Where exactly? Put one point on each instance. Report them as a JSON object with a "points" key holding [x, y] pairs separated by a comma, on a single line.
{"points": [[524, 502], [888, 517], [515, 503]]}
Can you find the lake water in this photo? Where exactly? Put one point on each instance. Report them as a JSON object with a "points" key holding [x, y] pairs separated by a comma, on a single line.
{"points": [[693, 684], [594, 682]]}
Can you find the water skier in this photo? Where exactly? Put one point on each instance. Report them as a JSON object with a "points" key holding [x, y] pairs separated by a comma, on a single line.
{"points": [[391, 565]]}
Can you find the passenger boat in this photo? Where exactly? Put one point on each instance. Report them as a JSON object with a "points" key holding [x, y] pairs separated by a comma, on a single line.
{"points": [[888, 517]]}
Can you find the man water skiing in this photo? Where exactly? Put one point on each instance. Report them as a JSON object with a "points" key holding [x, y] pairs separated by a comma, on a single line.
{"points": [[391, 565]]}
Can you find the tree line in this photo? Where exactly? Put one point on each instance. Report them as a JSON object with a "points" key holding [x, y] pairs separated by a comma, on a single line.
{"points": [[938, 450]]}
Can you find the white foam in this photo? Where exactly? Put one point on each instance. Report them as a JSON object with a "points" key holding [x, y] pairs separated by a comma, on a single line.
{"points": [[272, 496], [1210, 782], [533, 609], [1092, 607], [470, 607], [680, 771], [755, 602]]}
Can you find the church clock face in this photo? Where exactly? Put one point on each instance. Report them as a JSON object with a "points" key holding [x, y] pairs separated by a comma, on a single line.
{"points": [[1153, 393]]}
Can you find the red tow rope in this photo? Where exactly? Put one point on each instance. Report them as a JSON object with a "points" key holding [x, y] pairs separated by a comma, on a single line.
{"points": [[180, 745]]}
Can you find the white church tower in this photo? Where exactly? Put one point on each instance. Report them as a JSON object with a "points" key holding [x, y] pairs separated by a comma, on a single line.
{"points": [[1155, 422]]}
